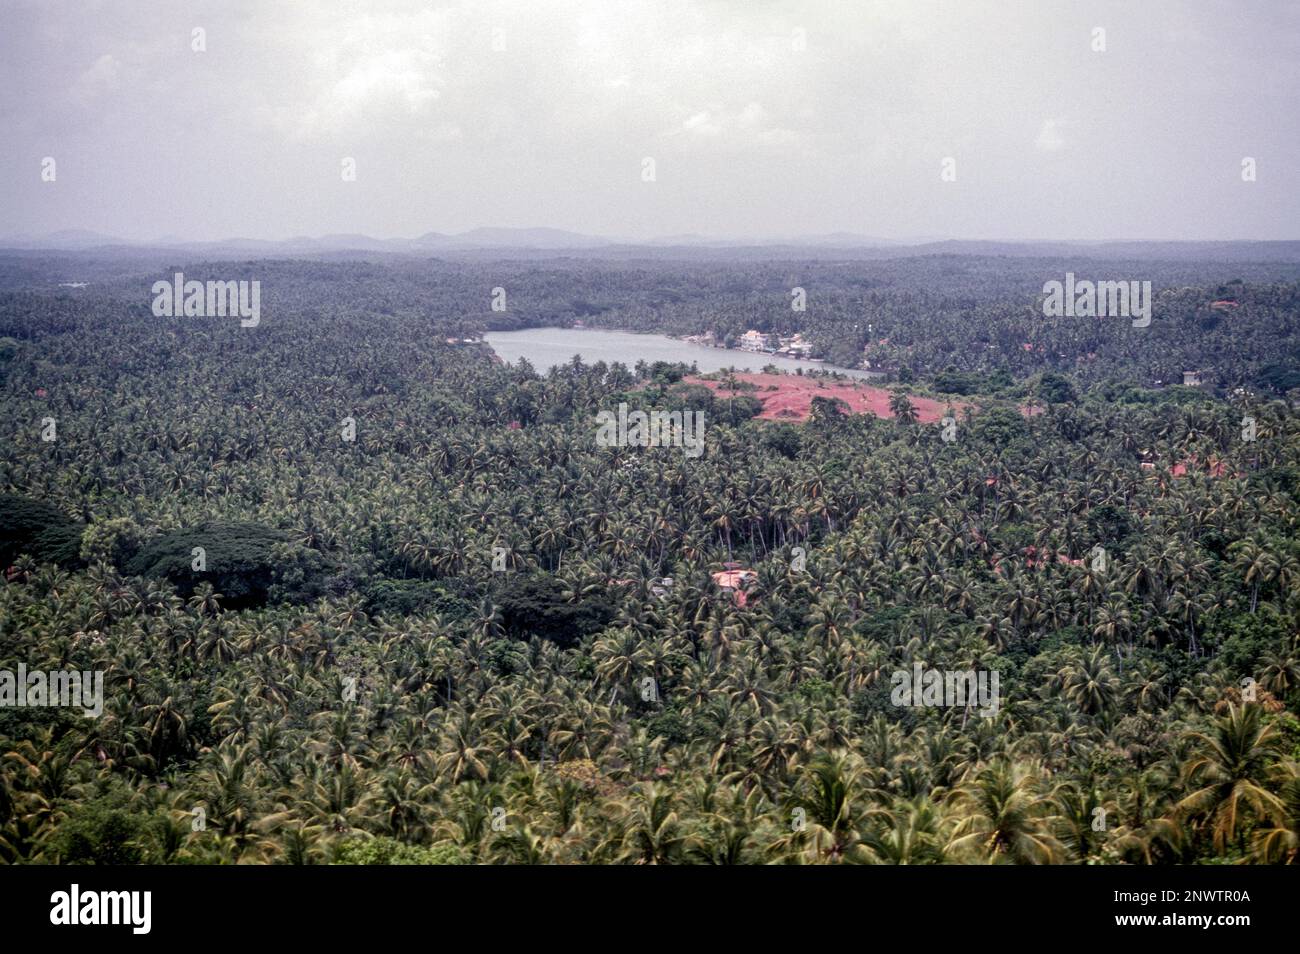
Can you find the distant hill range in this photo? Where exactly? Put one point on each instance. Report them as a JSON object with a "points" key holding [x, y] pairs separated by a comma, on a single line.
{"points": [[540, 242], [80, 239]]}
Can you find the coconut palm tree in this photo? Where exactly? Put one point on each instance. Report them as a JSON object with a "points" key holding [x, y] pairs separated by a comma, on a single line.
{"points": [[1002, 816], [1227, 775]]}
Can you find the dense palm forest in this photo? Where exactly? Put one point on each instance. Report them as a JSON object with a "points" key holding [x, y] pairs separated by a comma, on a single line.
{"points": [[436, 622]]}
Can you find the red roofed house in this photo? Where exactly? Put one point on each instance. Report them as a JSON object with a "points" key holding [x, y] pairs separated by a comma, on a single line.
{"points": [[1214, 467], [733, 581]]}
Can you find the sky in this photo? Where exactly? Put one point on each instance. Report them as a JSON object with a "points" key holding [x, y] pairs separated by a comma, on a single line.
{"points": [[763, 118]]}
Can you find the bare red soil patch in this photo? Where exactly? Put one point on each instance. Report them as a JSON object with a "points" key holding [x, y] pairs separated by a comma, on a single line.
{"points": [[788, 397], [1214, 467]]}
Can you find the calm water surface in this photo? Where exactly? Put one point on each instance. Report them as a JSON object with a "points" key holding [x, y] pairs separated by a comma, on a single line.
{"points": [[546, 348]]}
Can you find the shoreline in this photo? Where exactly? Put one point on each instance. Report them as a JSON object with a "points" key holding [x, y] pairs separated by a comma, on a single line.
{"points": [[819, 365]]}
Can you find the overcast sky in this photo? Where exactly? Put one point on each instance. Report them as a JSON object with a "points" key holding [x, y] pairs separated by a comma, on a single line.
{"points": [[763, 117]]}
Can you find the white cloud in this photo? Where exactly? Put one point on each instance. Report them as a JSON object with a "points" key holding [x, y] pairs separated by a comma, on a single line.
{"points": [[701, 124], [100, 78], [749, 126], [1049, 137], [366, 89]]}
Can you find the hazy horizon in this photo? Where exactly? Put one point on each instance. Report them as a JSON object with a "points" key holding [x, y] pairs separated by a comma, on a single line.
{"points": [[764, 120], [811, 238]]}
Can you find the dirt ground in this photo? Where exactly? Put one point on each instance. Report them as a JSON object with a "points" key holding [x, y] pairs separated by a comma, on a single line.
{"points": [[788, 397]]}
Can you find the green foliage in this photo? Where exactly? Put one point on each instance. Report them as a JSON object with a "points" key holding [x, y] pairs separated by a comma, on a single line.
{"points": [[396, 598], [1014, 538], [784, 439], [667, 372], [1056, 389], [1243, 639], [693, 397], [1109, 525], [824, 410], [959, 382], [1279, 378], [537, 605], [739, 409], [8, 351], [673, 727], [114, 541], [39, 530], [382, 850], [98, 833], [815, 690], [1001, 428], [246, 563]]}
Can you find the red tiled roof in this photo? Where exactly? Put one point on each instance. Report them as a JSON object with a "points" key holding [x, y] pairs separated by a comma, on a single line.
{"points": [[733, 579]]}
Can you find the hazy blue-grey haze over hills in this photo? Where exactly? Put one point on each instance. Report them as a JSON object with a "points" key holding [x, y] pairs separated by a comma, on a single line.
{"points": [[475, 238], [536, 242]]}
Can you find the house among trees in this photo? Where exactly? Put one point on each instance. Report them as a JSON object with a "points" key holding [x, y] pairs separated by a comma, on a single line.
{"points": [[795, 347], [733, 579], [1193, 379], [707, 339]]}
